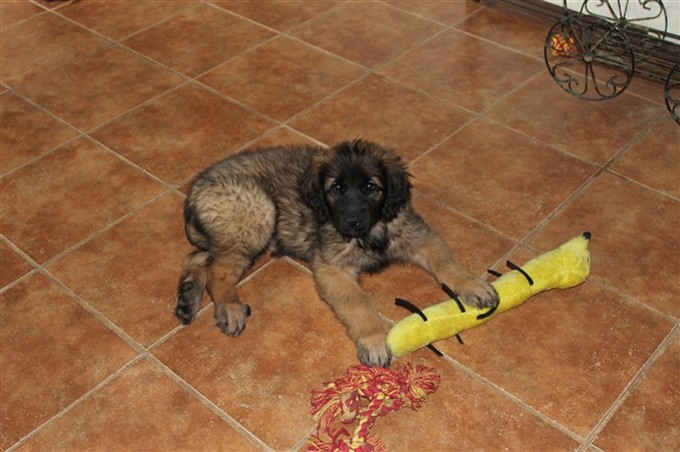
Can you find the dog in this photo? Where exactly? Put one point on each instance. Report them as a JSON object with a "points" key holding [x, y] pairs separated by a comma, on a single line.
{"points": [[344, 210]]}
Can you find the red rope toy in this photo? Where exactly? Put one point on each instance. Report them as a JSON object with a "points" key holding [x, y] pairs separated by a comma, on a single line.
{"points": [[386, 390]]}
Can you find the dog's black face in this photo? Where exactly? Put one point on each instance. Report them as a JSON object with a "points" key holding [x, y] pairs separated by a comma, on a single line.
{"points": [[356, 186], [355, 201]]}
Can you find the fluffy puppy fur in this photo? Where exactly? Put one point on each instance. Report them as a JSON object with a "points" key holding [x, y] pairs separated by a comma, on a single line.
{"points": [[345, 210]]}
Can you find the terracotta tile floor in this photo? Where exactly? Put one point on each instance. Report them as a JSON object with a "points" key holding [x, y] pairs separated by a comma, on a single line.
{"points": [[109, 109]]}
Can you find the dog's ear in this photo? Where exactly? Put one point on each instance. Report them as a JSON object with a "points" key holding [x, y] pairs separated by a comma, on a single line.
{"points": [[312, 188], [398, 185]]}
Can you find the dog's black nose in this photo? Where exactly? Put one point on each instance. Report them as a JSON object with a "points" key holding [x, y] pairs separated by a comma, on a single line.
{"points": [[353, 224]]}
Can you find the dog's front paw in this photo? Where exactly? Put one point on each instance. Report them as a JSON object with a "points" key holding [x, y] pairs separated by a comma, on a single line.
{"points": [[373, 351], [479, 293], [231, 318]]}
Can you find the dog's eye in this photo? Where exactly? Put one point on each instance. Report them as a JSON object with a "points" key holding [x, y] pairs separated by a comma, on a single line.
{"points": [[371, 188], [336, 189]]}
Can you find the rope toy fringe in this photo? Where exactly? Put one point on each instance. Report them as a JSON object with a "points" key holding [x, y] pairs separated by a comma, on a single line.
{"points": [[386, 390]]}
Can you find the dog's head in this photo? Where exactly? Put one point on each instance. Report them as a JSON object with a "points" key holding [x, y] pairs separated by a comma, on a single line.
{"points": [[356, 185]]}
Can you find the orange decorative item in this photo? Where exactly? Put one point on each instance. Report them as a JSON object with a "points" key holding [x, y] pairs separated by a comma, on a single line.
{"points": [[359, 397], [559, 46]]}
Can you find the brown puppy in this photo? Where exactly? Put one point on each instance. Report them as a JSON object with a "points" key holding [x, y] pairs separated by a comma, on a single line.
{"points": [[345, 210]]}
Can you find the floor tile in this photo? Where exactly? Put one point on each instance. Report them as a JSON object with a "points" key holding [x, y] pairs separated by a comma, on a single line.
{"points": [[63, 198], [41, 43], [13, 12], [283, 136], [264, 377], [384, 34], [130, 273], [460, 406], [654, 160], [447, 12], [476, 246], [592, 130], [13, 265], [140, 409], [635, 245], [499, 177], [50, 4], [120, 19], [384, 112], [648, 88], [463, 70], [27, 132], [567, 353], [649, 418], [91, 91], [100, 142], [290, 76], [198, 39], [48, 356], [517, 31], [276, 14], [178, 134]]}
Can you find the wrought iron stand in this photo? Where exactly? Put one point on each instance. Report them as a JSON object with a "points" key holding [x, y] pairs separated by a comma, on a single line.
{"points": [[593, 53]]}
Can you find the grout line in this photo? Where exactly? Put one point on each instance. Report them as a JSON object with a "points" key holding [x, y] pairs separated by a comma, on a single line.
{"points": [[281, 125], [189, 6], [64, 411], [165, 185], [209, 306], [637, 379], [205, 401], [561, 207], [302, 444], [98, 233], [475, 116], [643, 186], [625, 149], [518, 401], [129, 340], [79, 134], [35, 267], [632, 300], [542, 142], [434, 200]]}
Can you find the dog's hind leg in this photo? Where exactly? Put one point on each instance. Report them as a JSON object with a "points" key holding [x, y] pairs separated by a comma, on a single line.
{"points": [[192, 284], [224, 272], [239, 218]]}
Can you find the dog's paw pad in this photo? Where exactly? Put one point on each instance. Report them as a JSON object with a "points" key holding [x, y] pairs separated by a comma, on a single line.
{"points": [[479, 293], [231, 319], [374, 352]]}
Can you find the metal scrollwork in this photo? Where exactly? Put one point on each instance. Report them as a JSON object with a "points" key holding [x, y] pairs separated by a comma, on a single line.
{"points": [[589, 58], [644, 22], [672, 93]]}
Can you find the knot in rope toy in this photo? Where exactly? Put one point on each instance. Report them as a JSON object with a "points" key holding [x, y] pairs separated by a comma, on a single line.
{"points": [[383, 390]]}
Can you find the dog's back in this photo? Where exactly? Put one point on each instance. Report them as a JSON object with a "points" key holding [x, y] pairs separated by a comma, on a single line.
{"points": [[247, 187]]}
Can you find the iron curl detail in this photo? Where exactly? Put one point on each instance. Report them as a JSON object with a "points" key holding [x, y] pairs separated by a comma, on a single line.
{"points": [[589, 57], [672, 92]]}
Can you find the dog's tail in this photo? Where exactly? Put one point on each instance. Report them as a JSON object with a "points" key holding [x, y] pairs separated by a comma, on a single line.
{"points": [[191, 286]]}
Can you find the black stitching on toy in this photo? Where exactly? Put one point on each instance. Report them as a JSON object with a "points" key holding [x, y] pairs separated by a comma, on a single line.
{"points": [[453, 295], [434, 350], [519, 269], [488, 313], [411, 307]]}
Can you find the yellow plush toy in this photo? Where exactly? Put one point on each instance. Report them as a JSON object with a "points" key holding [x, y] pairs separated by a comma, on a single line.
{"points": [[561, 268]]}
